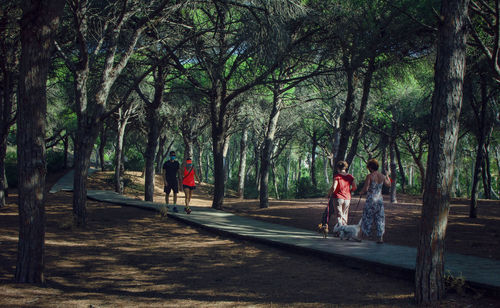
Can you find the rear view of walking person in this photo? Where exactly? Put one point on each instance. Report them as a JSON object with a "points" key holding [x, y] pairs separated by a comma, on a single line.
{"points": [[188, 182], [373, 212], [339, 195], [171, 178]]}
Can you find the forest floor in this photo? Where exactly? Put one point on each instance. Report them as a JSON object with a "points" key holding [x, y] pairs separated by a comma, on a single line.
{"points": [[132, 257]]}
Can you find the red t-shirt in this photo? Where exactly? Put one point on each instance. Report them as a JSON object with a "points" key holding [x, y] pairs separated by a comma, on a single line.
{"points": [[343, 190]]}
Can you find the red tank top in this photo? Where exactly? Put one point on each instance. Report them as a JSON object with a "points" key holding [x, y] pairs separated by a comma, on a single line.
{"points": [[188, 177], [343, 190]]}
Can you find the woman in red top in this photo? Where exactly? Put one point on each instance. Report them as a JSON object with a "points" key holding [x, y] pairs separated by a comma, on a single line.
{"points": [[188, 182], [340, 195]]}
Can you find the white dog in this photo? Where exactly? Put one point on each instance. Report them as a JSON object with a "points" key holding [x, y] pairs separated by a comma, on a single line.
{"points": [[348, 231]]}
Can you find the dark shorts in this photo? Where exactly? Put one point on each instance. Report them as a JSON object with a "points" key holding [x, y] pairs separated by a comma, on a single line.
{"points": [[172, 185], [190, 187]]}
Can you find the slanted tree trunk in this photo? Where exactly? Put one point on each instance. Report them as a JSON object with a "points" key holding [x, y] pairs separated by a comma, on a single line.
{"points": [[446, 105], [367, 83], [90, 114], [39, 23], [346, 119], [243, 163], [481, 135]]}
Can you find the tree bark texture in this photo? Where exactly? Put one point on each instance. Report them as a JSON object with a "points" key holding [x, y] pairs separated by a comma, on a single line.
{"points": [[39, 23], [402, 177], [314, 146], [121, 124], [394, 172], [5, 124], [243, 163], [84, 144], [9, 46], [446, 105], [218, 149], [102, 145], [267, 149], [482, 137], [151, 148], [346, 119], [367, 83]]}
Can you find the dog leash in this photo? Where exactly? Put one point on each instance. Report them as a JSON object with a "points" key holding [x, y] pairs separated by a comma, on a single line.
{"points": [[357, 205]]}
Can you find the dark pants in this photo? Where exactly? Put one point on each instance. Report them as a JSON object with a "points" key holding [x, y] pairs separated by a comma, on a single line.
{"points": [[327, 213]]}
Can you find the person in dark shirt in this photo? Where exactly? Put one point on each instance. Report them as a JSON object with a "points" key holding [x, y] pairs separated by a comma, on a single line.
{"points": [[171, 178]]}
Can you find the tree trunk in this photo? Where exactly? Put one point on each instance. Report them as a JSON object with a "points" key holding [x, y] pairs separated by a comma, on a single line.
{"points": [[199, 158], [401, 169], [120, 136], [39, 23], [243, 163], [83, 150], [3, 182], [446, 105], [275, 181], [159, 154], [218, 149], [102, 145], [66, 146], [151, 148], [481, 148], [367, 83], [346, 119], [394, 172], [226, 158], [5, 124], [325, 171], [314, 146], [287, 172], [267, 149], [487, 174]]}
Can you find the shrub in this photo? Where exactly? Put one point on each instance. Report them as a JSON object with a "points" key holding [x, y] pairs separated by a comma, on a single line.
{"points": [[305, 189], [55, 160], [11, 168]]}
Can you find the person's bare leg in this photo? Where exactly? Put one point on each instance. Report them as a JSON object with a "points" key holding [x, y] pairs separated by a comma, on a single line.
{"points": [[175, 197], [166, 198], [186, 196]]}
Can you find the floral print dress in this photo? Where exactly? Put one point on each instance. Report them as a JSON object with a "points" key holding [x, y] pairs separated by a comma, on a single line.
{"points": [[374, 210]]}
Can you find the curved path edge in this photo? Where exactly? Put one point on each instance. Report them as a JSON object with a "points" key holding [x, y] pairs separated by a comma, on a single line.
{"points": [[388, 259]]}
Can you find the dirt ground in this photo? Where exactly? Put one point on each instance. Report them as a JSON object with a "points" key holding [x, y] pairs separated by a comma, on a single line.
{"points": [[132, 257]]}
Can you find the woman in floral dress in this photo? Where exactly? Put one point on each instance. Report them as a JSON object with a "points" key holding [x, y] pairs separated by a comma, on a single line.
{"points": [[373, 213]]}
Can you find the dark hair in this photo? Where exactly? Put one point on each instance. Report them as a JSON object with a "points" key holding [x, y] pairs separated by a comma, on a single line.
{"points": [[172, 153], [342, 165], [372, 164]]}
